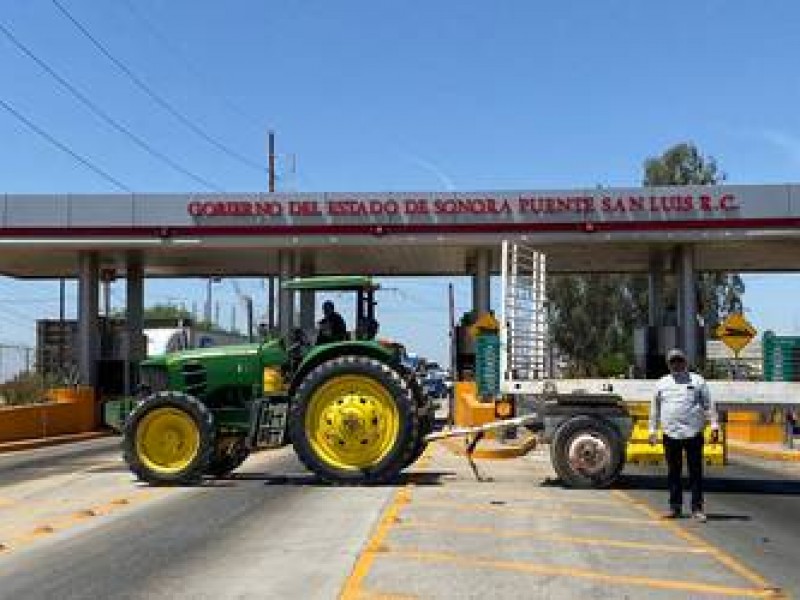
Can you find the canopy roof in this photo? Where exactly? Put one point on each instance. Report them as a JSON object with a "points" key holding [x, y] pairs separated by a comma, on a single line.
{"points": [[332, 283]]}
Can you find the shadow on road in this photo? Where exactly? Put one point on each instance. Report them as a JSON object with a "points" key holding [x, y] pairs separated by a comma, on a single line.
{"points": [[428, 478], [717, 485]]}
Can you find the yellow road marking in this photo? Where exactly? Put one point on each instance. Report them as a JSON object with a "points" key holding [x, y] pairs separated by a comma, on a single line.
{"points": [[65, 522], [576, 573], [352, 588], [534, 496], [567, 539], [721, 556], [465, 507], [374, 545]]}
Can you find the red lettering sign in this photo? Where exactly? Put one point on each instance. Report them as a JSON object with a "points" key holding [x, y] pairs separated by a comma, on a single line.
{"points": [[493, 208]]}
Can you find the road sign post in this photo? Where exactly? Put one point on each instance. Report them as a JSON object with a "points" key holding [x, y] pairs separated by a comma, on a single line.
{"points": [[736, 333]]}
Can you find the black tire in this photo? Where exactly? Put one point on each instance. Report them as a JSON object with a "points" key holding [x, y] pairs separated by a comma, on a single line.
{"points": [[203, 421], [602, 467], [401, 450], [227, 459], [425, 414], [426, 422]]}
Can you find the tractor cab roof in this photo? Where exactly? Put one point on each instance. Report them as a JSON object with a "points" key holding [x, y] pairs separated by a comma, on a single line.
{"points": [[341, 283]]}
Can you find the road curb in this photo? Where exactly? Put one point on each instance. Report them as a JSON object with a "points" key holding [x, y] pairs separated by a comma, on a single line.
{"points": [[56, 440], [766, 453]]}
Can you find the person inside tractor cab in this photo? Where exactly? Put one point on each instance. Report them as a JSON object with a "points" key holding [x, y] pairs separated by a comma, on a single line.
{"points": [[332, 327]]}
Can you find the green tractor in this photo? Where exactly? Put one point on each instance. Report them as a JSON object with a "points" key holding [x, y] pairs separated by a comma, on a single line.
{"points": [[353, 412]]}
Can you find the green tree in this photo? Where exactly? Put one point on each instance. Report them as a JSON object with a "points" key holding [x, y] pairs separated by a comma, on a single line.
{"points": [[682, 164], [172, 312], [592, 317], [720, 294], [591, 320], [166, 311]]}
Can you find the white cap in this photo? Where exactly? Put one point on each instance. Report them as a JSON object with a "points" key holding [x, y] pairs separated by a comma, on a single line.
{"points": [[675, 353]]}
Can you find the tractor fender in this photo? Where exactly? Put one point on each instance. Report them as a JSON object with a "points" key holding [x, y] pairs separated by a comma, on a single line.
{"points": [[328, 352]]}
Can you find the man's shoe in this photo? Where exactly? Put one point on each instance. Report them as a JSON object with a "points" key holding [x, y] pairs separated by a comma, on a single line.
{"points": [[673, 513], [699, 516]]}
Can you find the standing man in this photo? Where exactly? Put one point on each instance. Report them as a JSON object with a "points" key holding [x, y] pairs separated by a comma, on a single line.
{"points": [[682, 405]]}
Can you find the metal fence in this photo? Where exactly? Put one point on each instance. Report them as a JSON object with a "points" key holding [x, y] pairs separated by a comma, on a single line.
{"points": [[16, 361]]}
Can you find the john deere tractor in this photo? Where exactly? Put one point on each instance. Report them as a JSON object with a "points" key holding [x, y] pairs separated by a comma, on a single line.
{"points": [[352, 411]]}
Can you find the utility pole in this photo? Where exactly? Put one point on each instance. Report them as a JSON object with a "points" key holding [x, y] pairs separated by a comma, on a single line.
{"points": [[249, 308], [271, 303], [62, 328], [271, 279], [271, 159]]}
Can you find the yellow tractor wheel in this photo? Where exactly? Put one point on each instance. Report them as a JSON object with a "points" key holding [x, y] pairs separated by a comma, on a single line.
{"points": [[169, 439], [354, 419]]}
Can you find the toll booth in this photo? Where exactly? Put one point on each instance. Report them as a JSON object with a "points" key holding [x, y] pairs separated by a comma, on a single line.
{"points": [[651, 345]]}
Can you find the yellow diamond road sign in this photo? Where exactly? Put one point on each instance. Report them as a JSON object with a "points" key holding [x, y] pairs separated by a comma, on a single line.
{"points": [[735, 332]]}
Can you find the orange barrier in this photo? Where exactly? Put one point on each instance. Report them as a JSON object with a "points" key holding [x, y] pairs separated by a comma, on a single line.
{"points": [[744, 431], [744, 417], [750, 427], [469, 410], [70, 410]]}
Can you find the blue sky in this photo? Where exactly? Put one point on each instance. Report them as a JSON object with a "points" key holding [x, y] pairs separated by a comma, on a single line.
{"points": [[400, 95]]}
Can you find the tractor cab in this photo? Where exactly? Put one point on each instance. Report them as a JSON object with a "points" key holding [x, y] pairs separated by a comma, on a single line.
{"points": [[364, 326]]}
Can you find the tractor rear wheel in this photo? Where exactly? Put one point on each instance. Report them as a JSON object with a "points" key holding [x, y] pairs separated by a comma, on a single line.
{"points": [[354, 420], [169, 439]]}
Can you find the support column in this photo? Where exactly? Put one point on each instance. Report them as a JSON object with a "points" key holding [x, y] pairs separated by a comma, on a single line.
{"points": [[88, 326], [307, 298], [481, 281], [285, 297], [687, 302], [655, 291], [134, 317]]}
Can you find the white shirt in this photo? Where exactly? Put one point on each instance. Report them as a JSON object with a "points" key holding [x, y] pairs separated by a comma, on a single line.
{"points": [[681, 404]]}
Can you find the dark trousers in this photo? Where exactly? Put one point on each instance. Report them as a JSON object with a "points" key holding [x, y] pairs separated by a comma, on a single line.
{"points": [[673, 451]]}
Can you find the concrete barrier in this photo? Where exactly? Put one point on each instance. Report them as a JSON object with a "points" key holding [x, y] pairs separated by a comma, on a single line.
{"points": [[68, 410]]}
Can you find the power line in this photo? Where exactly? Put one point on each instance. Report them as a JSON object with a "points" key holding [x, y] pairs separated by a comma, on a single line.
{"points": [[163, 103], [104, 115], [190, 67], [64, 148]]}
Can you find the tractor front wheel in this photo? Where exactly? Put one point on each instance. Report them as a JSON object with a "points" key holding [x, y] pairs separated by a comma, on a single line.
{"points": [[354, 420], [169, 439]]}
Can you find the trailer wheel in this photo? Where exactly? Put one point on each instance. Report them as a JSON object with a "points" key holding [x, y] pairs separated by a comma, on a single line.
{"points": [[354, 420], [227, 457], [587, 452], [169, 439]]}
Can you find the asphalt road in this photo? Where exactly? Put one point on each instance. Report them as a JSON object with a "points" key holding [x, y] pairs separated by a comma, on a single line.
{"points": [[269, 532], [17, 467], [753, 509]]}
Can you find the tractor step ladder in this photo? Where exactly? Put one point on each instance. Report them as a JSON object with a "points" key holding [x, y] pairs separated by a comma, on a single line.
{"points": [[523, 319]]}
